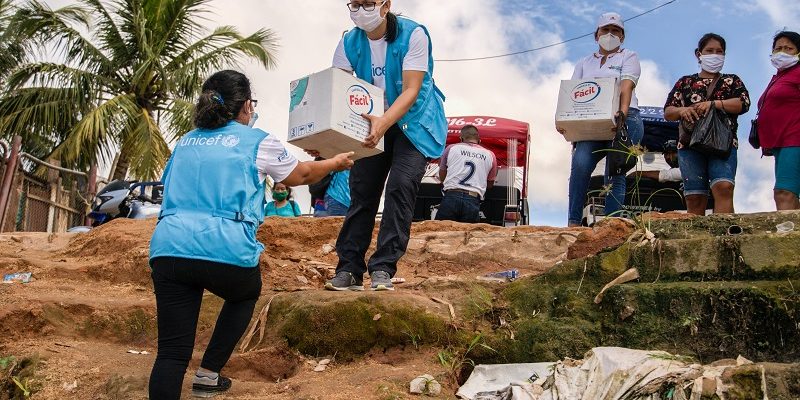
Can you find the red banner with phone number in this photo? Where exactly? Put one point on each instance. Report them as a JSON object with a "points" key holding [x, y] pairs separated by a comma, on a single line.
{"points": [[495, 133]]}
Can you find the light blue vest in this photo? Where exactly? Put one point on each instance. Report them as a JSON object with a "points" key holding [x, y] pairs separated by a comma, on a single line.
{"points": [[213, 198], [425, 124]]}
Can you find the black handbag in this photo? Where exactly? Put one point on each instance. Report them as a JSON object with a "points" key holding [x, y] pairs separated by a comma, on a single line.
{"points": [[753, 138], [621, 158], [713, 135]]}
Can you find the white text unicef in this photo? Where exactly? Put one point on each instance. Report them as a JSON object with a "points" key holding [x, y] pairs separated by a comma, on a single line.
{"points": [[227, 141]]}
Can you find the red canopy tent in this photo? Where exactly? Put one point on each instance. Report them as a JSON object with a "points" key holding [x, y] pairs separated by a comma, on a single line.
{"points": [[497, 134]]}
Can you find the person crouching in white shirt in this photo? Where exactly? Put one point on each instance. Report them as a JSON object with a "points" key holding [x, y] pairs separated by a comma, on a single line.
{"points": [[467, 169]]}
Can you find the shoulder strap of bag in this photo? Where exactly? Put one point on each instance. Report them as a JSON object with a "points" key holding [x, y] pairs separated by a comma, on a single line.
{"points": [[712, 87], [766, 92]]}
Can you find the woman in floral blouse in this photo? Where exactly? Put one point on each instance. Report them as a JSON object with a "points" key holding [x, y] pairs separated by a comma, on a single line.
{"points": [[688, 102]]}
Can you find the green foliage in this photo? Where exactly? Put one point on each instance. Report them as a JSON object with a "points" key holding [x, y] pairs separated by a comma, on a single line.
{"points": [[455, 359], [18, 378], [123, 75]]}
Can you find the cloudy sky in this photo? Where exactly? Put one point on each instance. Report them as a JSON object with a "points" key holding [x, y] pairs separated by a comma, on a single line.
{"points": [[525, 87]]}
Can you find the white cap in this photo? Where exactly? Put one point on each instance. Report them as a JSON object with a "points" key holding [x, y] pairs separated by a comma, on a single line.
{"points": [[610, 18]]}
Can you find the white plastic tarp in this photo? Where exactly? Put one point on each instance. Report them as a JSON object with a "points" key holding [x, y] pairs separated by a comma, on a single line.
{"points": [[496, 377]]}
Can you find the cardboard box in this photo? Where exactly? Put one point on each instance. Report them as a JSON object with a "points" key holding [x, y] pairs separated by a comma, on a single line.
{"points": [[325, 113], [586, 109]]}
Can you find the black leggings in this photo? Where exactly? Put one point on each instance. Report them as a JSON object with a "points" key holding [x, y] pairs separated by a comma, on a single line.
{"points": [[179, 285]]}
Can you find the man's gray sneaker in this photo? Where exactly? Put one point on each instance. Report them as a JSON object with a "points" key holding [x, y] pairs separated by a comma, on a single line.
{"points": [[381, 281], [345, 281]]}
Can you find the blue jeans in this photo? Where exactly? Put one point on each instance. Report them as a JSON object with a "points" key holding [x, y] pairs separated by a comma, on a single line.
{"points": [[585, 157], [334, 208], [460, 207], [701, 172]]}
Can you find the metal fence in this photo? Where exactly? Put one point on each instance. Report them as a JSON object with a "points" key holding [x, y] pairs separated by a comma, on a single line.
{"points": [[39, 196]]}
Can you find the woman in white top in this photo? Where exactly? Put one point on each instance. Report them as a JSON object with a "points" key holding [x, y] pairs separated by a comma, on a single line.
{"points": [[610, 61]]}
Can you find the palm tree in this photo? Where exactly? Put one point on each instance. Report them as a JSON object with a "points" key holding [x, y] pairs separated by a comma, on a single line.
{"points": [[123, 81]]}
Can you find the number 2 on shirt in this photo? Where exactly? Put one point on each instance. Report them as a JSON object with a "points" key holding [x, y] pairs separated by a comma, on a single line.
{"points": [[466, 179]]}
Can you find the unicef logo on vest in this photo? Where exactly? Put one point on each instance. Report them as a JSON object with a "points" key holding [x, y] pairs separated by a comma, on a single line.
{"points": [[585, 92], [359, 100], [230, 140]]}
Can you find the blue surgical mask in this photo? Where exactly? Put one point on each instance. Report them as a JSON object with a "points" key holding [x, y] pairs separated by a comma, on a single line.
{"points": [[253, 119]]}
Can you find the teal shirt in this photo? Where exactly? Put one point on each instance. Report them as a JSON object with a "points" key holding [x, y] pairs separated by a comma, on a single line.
{"points": [[290, 210], [339, 189]]}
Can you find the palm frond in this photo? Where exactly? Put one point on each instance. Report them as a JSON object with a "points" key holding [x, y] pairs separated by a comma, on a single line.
{"points": [[145, 146]]}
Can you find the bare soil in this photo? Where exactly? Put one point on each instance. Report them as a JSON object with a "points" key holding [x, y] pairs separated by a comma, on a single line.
{"points": [[91, 301]]}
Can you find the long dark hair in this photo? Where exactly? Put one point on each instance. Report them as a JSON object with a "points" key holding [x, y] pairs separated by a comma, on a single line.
{"points": [[392, 27], [223, 97], [793, 37]]}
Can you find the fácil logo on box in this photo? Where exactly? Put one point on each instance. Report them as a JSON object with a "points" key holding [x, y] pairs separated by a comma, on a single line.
{"points": [[585, 92], [359, 100]]}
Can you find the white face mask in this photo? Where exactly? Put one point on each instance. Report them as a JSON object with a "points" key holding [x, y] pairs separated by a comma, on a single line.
{"points": [[783, 60], [609, 42], [368, 20], [253, 119], [712, 63]]}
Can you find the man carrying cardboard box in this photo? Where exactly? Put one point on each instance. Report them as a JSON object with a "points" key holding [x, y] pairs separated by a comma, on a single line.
{"points": [[394, 54], [610, 61]]}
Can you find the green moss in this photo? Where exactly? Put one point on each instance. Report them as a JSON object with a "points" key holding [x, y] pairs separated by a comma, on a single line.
{"points": [[135, 326], [19, 379], [348, 328], [745, 383]]}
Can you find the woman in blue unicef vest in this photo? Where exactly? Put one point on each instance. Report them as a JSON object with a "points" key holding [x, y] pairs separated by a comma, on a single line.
{"points": [[206, 235], [395, 54]]}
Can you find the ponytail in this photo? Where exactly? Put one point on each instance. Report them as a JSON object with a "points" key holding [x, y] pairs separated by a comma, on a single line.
{"points": [[391, 27], [224, 95]]}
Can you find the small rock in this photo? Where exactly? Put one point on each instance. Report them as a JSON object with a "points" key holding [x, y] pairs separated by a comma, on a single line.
{"points": [[398, 280], [68, 387], [302, 279], [314, 272], [742, 361], [320, 368], [626, 312], [376, 317], [425, 384], [327, 248], [145, 352], [133, 351], [312, 362], [325, 361]]}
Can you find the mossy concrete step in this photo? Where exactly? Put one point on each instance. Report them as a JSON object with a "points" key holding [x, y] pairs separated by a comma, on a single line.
{"points": [[688, 227], [349, 324], [762, 256], [706, 320]]}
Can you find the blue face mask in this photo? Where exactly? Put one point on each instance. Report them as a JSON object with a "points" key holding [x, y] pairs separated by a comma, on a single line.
{"points": [[253, 120]]}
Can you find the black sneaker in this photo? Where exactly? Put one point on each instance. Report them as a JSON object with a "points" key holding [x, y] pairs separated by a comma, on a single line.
{"points": [[381, 281], [206, 387], [345, 281]]}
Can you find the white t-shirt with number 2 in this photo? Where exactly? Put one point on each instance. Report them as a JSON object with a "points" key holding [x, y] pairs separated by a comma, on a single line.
{"points": [[416, 59], [469, 167]]}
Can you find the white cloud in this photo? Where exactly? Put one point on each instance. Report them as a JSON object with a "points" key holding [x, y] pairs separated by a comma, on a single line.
{"points": [[784, 13]]}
